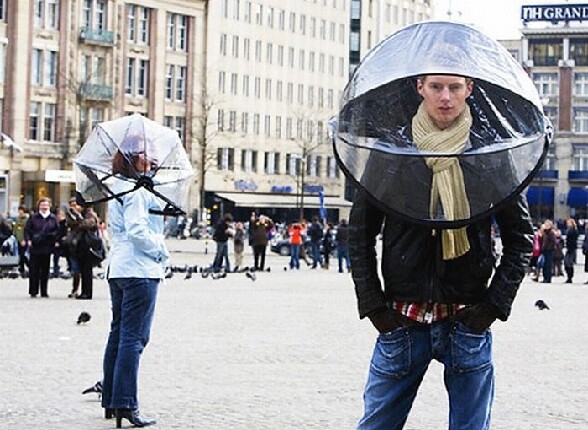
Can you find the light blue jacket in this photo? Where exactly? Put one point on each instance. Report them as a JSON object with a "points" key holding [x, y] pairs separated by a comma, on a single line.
{"points": [[138, 249]]}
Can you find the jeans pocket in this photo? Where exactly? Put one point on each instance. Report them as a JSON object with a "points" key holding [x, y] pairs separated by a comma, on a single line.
{"points": [[470, 351], [392, 354]]}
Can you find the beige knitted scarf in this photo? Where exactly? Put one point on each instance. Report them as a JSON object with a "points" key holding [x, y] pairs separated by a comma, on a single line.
{"points": [[448, 184]]}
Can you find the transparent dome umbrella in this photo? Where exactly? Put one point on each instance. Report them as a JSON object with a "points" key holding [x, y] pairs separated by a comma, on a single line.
{"points": [[132, 152], [372, 135]]}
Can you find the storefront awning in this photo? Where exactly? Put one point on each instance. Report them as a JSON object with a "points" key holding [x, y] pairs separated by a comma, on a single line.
{"points": [[577, 197], [540, 195], [253, 200]]}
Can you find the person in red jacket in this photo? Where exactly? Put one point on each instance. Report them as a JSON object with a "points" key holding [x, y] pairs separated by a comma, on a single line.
{"points": [[295, 235]]}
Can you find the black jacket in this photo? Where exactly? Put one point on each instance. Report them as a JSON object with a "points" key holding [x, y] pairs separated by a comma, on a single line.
{"points": [[413, 268]]}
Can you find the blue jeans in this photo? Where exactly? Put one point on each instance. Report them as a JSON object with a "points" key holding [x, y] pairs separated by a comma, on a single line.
{"points": [[400, 360], [133, 305], [316, 254], [222, 254], [294, 256], [343, 254], [547, 266]]}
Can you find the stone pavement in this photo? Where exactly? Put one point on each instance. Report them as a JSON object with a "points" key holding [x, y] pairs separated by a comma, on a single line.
{"points": [[284, 352]]}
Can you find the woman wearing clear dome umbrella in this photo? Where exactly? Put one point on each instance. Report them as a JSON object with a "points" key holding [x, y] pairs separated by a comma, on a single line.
{"points": [[441, 131], [143, 171]]}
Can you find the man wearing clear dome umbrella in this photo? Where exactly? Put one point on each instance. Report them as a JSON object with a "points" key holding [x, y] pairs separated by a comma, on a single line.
{"points": [[142, 170], [441, 131]]}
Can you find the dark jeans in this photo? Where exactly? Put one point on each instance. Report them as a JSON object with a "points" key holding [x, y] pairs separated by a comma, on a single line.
{"points": [[547, 266], [39, 273], [86, 274], [133, 306], [259, 256]]}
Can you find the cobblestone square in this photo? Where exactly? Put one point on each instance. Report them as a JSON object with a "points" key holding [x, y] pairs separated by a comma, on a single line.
{"points": [[286, 351]]}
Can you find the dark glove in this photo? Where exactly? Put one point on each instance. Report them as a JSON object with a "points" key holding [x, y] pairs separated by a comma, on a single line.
{"points": [[389, 320], [478, 318]]}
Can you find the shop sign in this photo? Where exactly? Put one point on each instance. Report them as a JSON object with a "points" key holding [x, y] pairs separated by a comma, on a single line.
{"points": [[555, 13], [281, 189], [60, 176], [242, 185], [313, 188]]}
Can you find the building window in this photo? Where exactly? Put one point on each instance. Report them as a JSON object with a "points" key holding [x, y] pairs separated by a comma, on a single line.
{"points": [[269, 53], [233, 83], [169, 81], [332, 168], [221, 82], [579, 51], [551, 112], [232, 121], [268, 89], [278, 127], [293, 164], [92, 69], [289, 133], [581, 84], [46, 13], [279, 90], [256, 121], [34, 121], [42, 121], [49, 123], [44, 68], [235, 47], [223, 44], [258, 50], [267, 126], [312, 166], [581, 158], [180, 83], [247, 11], [248, 160], [226, 159], [220, 120], [138, 24], [244, 123], [246, 85], [137, 78], [547, 84], [177, 32], [246, 48], [581, 120], [236, 7], [545, 52], [2, 10], [94, 14], [272, 163], [257, 88]]}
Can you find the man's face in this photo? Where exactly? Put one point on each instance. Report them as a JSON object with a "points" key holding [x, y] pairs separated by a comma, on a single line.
{"points": [[444, 97], [44, 207]]}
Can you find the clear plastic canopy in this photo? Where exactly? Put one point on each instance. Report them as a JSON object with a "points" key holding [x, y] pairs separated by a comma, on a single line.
{"points": [[107, 166], [373, 141]]}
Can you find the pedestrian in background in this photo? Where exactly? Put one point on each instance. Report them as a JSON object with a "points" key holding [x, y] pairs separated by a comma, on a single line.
{"points": [[328, 245], [239, 245], [295, 239], [40, 234], [222, 233], [315, 233], [342, 239], [572, 235], [260, 230], [74, 217], [547, 250], [60, 250], [18, 229]]}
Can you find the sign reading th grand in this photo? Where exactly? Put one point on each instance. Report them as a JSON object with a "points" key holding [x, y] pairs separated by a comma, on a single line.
{"points": [[552, 13]]}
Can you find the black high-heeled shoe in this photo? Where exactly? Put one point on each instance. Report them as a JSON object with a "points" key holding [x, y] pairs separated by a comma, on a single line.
{"points": [[109, 413], [134, 418]]}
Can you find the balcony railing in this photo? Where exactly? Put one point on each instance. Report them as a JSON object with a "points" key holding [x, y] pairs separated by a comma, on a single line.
{"points": [[96, 36], [547, 175], [578, 175], [96, 92]]}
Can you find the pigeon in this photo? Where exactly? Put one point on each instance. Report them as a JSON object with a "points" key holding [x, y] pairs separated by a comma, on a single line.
{"points": [[541, 305], [96, 388], [168, 273], [84, 317], [188, 273], [251, 275]]}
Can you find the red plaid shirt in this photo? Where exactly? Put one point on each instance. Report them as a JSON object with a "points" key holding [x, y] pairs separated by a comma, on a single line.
{"points": [[427, 313]]}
